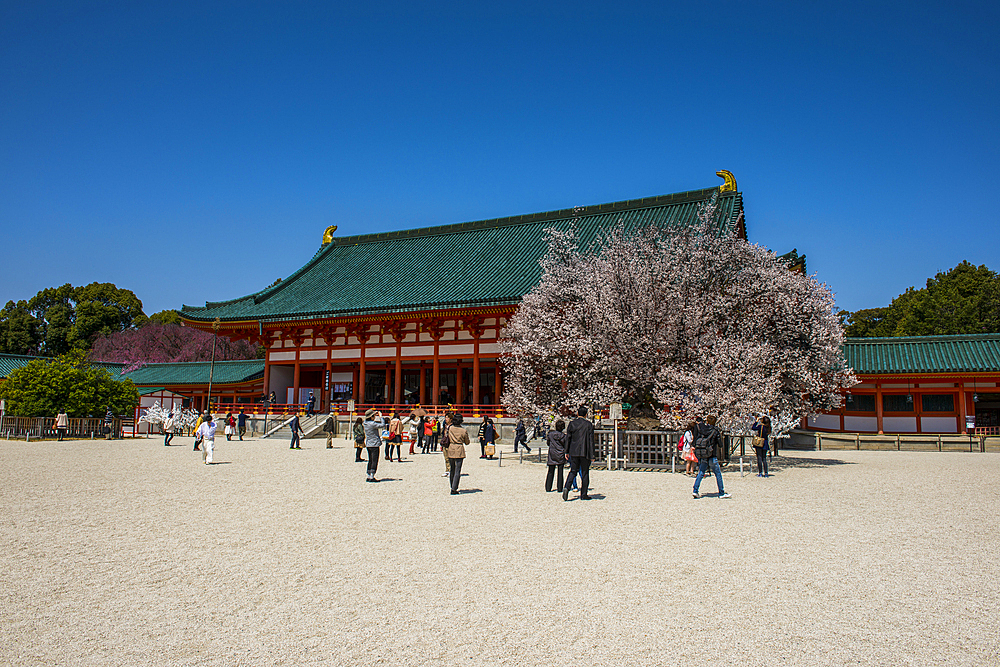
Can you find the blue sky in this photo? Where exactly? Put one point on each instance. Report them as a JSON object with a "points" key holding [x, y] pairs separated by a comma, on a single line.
{"points": [[196, 151]]}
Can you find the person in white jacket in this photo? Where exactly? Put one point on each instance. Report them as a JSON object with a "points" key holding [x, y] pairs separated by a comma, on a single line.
{"points": [[207, 434]]}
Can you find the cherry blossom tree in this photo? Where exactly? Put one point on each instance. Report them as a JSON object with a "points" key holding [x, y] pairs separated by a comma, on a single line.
{"points": [[676, 322], [165, 343]]}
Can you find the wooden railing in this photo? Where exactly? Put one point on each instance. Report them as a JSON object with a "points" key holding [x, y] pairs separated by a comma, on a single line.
{"points": [[45, 427], [288, 409]]}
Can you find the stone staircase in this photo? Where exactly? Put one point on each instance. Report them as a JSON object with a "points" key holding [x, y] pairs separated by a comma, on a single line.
{"points": [[313, 427]]}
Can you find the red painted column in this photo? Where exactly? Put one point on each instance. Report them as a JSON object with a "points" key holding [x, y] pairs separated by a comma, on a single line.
{"points": [[436, 376], [962, 409], [475, 374], [295, 380], [354, 384], [878, 406]]}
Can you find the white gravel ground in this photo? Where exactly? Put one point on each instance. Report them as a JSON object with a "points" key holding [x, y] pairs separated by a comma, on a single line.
{"points": [[129, 552]]}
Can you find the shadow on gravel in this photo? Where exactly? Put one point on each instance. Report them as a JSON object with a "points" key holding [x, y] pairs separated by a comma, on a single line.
{"points": [[462, 491], [220, 463], [784, 462]]}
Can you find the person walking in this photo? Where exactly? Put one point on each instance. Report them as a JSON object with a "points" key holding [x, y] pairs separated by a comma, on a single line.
{"points": [[580, 449], [230, 423], [329, 426], [446, 424], [241, 424], [687, 449], [296, 429], [707, 442], [458, 438], [762, 431], [197, 438], [206, 432], [168, 430], [62, 424], [427, 430], [359, 438], [410, 424], [490, 437], [373, 440], [109, 424], [521, 436], [395, 438], [310, 405], [556, 441]]}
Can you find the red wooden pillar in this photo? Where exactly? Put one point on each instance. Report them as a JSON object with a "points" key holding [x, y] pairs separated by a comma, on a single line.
{"points": [[354, 384], [475, 374], [423, 380], [436, 376], [961, 409], [878, 407], [267, 376], [295, 381]]}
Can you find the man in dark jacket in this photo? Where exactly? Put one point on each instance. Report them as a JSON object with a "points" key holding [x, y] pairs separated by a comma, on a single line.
{"points": [[579, 452], [707, 445], [521, 436], [296, 429]]}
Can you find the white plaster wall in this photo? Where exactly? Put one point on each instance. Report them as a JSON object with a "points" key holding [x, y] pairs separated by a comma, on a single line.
{"points": [[419, 351], [825, 421], [312, 354], [489, 348], [345, 354], [380, 352], [899, 424], [455, 349], [281, 356], [939, 424], [854, 423]]}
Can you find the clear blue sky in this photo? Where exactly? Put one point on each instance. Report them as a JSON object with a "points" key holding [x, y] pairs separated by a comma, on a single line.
{"points": [[194, 151]]}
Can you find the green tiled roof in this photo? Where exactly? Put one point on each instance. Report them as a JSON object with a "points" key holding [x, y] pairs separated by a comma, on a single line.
{"points": [[226, 372], [145, 391], [11, 362], [485, 263], [924, 354], [155, 376]]}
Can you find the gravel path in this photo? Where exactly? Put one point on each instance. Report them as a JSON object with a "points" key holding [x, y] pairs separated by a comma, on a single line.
{"points": [[129, 552]]}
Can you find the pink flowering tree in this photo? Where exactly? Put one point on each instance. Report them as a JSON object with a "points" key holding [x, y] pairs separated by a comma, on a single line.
{"points": [[678, 323], [164, 343]]}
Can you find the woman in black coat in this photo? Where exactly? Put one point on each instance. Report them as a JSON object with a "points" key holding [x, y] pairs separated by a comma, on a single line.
{"points": [[556, 441]]}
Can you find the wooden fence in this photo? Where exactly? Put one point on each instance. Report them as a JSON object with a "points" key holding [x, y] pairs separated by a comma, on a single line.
{"points": [[45, 427]]}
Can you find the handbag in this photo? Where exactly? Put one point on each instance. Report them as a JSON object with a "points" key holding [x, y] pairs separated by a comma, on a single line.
{"points": [[490, 450], [759, 441]]}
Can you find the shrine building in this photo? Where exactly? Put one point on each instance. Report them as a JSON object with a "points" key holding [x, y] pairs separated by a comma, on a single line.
{"points": [[414, 316]]}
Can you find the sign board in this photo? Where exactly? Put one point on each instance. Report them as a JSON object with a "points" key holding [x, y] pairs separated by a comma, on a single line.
{"points": [[350, 405], [615, 411], [970, 421]]}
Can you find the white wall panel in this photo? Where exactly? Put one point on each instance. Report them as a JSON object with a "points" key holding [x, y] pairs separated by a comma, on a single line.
{"points": [[281, 356], [345, 354], [825, 421], [899, 424], [380, 352], [939, 424], [456, 349], [419, 351], [312, 354], [854, 423]]}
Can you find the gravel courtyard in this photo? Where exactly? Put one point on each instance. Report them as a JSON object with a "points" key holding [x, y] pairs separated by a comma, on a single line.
{"points": [[128, 552]]}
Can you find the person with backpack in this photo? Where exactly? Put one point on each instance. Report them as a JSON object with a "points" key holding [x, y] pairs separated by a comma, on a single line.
{"points": [[707, 444], [329, 426]]}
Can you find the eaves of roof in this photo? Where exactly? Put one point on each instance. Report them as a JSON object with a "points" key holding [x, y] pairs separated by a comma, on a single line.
{"points": [[474, 264], [971, 353]]}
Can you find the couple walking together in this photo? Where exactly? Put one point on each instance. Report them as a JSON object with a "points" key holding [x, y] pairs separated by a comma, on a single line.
{"points": [[575, 446]]}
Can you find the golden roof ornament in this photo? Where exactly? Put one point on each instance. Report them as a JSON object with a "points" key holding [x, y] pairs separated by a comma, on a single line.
{"points": [[730, 184], [328, 234]]}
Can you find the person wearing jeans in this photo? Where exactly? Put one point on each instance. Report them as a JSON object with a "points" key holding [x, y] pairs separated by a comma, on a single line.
{"points": [[373, 440], [707, 441]]}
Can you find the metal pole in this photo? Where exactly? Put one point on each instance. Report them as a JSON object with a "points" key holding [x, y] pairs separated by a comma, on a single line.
{"points": [[211, 369]]}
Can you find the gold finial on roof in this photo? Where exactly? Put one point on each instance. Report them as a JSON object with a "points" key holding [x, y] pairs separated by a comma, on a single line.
{"points": [[328, 234], [730, 184]]}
